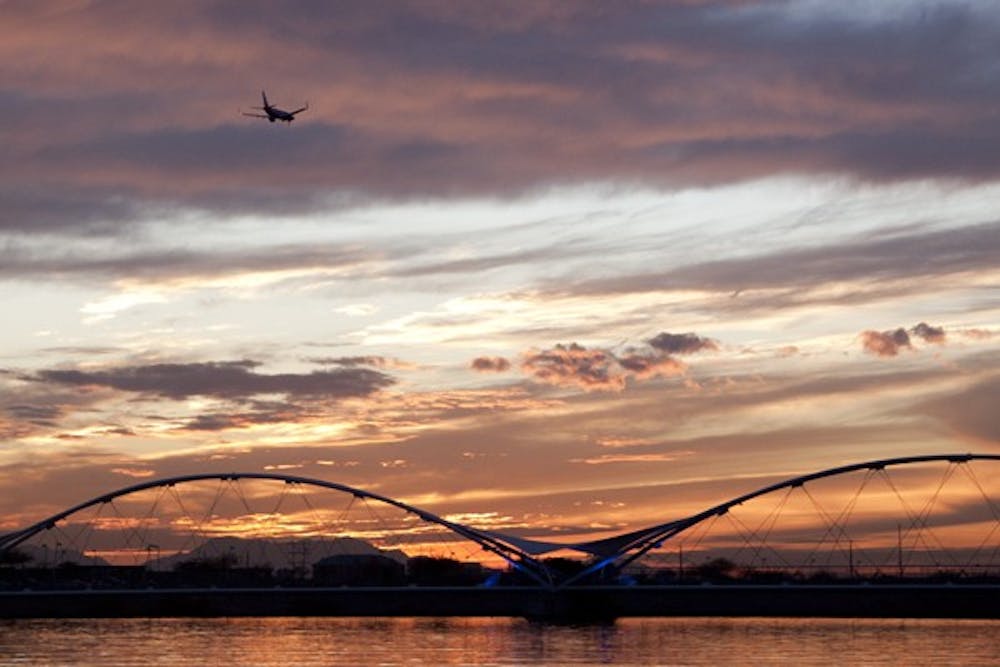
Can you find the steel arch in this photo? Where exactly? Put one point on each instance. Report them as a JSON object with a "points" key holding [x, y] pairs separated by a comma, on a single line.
{"points": [[491, 542], [520, 553], [623, 549]]}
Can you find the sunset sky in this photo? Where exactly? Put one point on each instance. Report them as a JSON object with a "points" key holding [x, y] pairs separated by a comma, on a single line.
{"points": [[575, 265]]}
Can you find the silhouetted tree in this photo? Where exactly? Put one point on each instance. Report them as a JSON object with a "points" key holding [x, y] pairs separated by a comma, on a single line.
{"points": [[428, 571], [359, 570], [14, 557], [716, 569], [208, 564]]}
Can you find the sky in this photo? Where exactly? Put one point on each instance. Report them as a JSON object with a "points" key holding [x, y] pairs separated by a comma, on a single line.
{"points": [[575, 265]]}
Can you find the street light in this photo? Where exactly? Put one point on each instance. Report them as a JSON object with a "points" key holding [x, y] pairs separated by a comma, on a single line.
{"points": [[150, 548]]}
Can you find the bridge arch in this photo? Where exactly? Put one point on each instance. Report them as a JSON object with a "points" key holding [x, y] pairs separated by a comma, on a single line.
{"points": [[621, 550], [491, 542]]}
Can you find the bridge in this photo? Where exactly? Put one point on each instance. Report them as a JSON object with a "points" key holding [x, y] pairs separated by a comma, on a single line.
{"points": [[916, 520]]}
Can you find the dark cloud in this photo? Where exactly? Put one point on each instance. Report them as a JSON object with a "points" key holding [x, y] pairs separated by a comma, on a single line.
{"points": [[30, 408], [225, 379], [167, 262], [259, 412], [928, 333], [215, 422], [41, 415], [434, 99], [490, 364], [69, 209], [117, 430], [885, 343], [686, 343]]}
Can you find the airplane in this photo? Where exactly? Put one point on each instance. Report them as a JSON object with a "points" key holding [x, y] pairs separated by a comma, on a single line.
{"points": [[273, 113]]}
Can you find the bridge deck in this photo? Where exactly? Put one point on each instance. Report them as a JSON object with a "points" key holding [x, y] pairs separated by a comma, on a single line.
{"points": [[573, 604]]}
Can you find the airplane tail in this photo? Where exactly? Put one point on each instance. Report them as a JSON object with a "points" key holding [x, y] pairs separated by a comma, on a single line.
{"points": [[263, 96]]}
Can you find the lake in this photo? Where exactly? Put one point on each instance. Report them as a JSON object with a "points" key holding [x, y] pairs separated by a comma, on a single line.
{"points": [[497, 641]]}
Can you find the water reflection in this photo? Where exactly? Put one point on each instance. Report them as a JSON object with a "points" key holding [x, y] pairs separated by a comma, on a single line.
{"points": [[338, 641]]}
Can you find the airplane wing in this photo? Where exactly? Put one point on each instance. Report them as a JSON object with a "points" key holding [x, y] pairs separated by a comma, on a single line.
{"points": [[298, 110], [254, 115]]}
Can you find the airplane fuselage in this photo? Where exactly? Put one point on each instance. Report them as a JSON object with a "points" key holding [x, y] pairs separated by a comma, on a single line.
{"points": [[274, 113]]}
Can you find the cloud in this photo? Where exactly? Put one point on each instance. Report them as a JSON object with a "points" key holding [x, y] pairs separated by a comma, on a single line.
{"points": [[71, 209], [604, 459], [972, 411], [978, 334], [30, 408], [658, 420], [80, 350], [261, 413], [618, 442], [885, 343], [433, 99], [575, 365], [490, 364], [644, 366], [881, 267], [928, 333], [375, 361], [302, 411], [686, 343], [138, 473], [479, 265], [223, 379], [889, 343], [177, 263], [597, 369], [40, 415]]}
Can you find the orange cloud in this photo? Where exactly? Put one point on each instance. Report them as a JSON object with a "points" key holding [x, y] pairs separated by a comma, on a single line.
{"points": [[598, 369], [885, 343], [889, 343], [139, 473], [626, 458], [575, 365]]}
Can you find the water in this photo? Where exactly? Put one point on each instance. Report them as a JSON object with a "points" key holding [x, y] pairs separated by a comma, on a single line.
{"points": [[498, 641]]}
